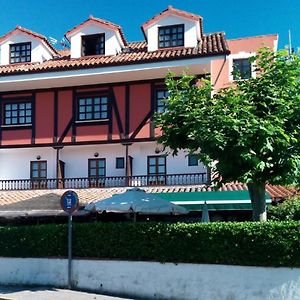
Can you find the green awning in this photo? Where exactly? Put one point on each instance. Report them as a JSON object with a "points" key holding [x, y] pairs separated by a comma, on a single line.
{"points": [[216, 200]]}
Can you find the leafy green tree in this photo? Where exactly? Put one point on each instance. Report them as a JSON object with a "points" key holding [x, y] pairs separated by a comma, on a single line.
{"points": [[249, 132]]}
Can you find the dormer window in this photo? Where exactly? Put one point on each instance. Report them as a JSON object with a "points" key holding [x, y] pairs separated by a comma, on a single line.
{"points": [[20, 52], [93, 44], [171, 36]]}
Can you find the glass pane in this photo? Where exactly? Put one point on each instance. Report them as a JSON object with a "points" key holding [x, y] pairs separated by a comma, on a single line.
{"points": [[28, 120], [97, 108], [14, 113], [101, 172], [7, 121], [103, 107], [101, 163], [89, 108], [28, 105], [22, 120], [35, 174], [14, 106], [152, 161], [81, 101], [28, 112], [22, 106], [82, 109], [88, 116], [161, 169], [34, 166], [104, 115], [88, 101], [8, 107], [14, 120], [82, 117], [8, 114], [43, 165], [92, 163], [97, 115], [104, 100], [161, 160], [43, 174], [152, 169], [93, 172], [97, 100]]}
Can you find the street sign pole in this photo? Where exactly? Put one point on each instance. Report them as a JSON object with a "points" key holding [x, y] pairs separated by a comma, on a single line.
{"points": [[70, 251], [69, 203]]}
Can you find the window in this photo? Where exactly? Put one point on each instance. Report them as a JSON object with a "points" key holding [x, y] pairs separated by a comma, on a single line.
{"points": [[20, 52], [241, 69], [171, 36], [38, 174], [120, 163], [17, 113], [93, 44], [156, 170], [161, 95], [192, 160], [97, 172], [92, 108]]}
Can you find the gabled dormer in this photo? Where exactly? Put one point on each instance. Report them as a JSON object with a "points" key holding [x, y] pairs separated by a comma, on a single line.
{"points": [[96, 37], [173, 28], [22, 46]]}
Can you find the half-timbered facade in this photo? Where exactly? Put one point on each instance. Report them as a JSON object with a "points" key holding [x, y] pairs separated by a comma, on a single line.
{"points": [[84, 117]]}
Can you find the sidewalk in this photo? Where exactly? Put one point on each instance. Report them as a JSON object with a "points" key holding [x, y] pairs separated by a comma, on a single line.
{"points": [[48, 293]]}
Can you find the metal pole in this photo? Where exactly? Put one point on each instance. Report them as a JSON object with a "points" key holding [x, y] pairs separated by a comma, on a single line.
{"points": [[70, 251]]}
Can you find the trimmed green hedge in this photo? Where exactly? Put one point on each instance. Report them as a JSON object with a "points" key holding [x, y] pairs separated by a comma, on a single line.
{"points": [[249, 243], [288, 210]]}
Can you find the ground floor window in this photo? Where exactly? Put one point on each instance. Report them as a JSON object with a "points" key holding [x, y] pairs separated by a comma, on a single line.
{"points": [[97, 172], [156, 170], [38, 173]]}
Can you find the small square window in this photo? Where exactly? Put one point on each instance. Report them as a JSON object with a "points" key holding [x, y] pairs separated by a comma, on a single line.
{"points": [[171, 36], [242, 69], [192, 160], [120, 163]]}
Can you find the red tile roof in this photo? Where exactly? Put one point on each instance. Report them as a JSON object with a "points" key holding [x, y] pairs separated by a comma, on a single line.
{"points": [[50, 199], [136, 53], [93, 20], [38, 36], [173, 11]]}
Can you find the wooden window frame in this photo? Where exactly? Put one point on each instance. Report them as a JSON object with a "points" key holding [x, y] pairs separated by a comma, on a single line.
{"points": [[38, 182], [12, 49], [156, 178], [96, 180], [160, 106], [120, 159], [104, 108], [18, 110], [164, 37], [244, 70], [86, 38]]}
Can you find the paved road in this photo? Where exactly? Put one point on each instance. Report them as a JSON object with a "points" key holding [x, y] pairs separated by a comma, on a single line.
{"points": [[46, 293]]}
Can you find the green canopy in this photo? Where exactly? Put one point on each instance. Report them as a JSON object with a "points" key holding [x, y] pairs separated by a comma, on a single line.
{"points": [[216, 200]]}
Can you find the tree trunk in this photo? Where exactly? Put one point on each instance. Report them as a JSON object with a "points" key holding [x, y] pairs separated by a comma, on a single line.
{"points": [[257, 192]]}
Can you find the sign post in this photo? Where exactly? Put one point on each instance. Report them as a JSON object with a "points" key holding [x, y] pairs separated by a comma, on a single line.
{"points": [[69, 203]]}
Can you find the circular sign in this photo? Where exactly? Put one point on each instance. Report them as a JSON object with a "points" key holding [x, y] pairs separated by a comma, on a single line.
{"points": [[69, 201]]}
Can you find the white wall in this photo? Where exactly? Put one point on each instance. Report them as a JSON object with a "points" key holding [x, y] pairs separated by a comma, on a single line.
{"points": [[157, 280], [15, 163], [112, 44], [190, 31], [39, 52]]}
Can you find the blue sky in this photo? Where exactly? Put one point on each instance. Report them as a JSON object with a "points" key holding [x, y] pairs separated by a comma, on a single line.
{"points": [[236, 18]]}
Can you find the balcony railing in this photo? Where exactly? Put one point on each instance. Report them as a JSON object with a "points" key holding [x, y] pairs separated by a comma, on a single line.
{"points": [[101, 182]]}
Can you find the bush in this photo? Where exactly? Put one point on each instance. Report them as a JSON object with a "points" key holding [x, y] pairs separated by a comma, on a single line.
{"points": [[288, 210], [249, 243]]}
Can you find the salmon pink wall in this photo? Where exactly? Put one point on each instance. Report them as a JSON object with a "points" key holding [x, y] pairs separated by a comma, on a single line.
{"points": [[44, 120], [140, 105], [91, 133], [16, 137], [119, 92], [220, 69], [65, 99]]}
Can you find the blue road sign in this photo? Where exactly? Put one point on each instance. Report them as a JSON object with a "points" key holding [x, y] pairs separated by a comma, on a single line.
{"points": [[69, 201]]}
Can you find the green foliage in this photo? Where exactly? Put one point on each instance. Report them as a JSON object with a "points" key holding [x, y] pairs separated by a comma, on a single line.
{"points": [[261, 244], [250, 130], [288, 210]]}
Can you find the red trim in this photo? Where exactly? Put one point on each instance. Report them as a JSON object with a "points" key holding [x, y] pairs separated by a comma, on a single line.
{"points": [[173, 11], [97, 21], [38, 36]]}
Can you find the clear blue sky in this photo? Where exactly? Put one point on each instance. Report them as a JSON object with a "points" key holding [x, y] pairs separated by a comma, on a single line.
{"points": [[236, 18]]}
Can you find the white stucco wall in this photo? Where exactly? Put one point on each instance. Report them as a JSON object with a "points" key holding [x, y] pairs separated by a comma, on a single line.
{"points": [[112, 44], [190, 31], [157, 280], [76, 160], [15, 163], [39, 52]]}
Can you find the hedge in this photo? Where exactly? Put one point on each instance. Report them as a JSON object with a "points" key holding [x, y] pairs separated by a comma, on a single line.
{"points": [[248, 243]]}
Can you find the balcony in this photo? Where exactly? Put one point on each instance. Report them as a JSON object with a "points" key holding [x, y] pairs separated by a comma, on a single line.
{"points": [[104, 182]]}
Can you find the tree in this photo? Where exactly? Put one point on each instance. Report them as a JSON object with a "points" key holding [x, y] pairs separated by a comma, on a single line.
{"points": [[250, 131]]}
